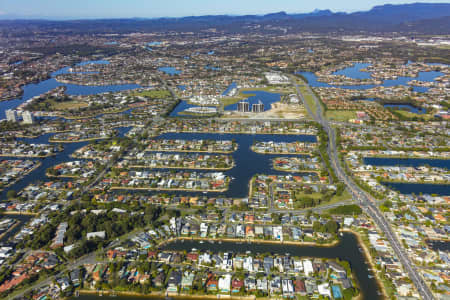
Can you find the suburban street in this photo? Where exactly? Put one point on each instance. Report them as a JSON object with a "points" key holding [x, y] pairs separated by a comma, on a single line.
{"points": [[367, 202]]}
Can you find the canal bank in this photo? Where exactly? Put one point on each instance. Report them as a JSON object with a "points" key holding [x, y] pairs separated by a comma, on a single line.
{"points": [[349, 248]]}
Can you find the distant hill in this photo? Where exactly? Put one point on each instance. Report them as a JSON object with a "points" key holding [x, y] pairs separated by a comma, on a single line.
{"points": [[426, 18]]}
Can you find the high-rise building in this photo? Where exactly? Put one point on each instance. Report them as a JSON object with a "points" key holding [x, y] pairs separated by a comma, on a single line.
{"points": [[243, 106], [27, 117], [258, 107], [11, 115]]}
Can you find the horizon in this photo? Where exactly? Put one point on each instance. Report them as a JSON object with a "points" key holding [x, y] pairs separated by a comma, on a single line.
{"points": [[29, 10]]}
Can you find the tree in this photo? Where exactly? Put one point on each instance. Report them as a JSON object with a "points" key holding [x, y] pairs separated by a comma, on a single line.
{"points": [[11, 194]]}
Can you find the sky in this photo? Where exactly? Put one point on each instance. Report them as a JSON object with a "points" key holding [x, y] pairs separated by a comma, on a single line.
{"points": [[78, 9]]}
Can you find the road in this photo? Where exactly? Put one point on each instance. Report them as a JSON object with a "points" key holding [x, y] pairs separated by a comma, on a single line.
{"points": [[367, 202]]}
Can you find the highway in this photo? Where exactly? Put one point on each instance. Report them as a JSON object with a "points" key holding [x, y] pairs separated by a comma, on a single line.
{"points": [[366, 201]]}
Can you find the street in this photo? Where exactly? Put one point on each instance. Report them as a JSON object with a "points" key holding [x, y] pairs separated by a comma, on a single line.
{"points": [[366, 201]]}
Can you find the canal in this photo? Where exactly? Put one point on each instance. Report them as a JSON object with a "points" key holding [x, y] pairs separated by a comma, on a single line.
{"points": [[347, 249]]}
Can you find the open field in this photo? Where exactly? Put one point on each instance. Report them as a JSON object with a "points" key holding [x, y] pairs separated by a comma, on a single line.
{"points": [[308, 98], [340, 115], [68, 105], [153, 94]]}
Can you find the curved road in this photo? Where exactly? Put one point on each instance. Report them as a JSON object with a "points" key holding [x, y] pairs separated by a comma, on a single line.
{"points": [[367, 202]]}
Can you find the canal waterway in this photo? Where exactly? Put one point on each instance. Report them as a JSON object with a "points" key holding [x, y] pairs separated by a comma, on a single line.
{"points": [[347, 249], [258, 96], [35, 89], [22, 219], [419, 188], [247, 162], [407, 162], [169, 70], [413, 188], [39, 173], [356, 73], [440, 245]]}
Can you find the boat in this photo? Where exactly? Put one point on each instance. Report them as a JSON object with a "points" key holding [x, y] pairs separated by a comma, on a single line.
{"points": [[220, 242], [201, 242], [193, 249], [370, 276], [360, 249]]}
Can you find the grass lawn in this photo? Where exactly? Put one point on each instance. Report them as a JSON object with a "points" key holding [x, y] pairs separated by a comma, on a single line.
{"points": [[308, 98], [345, 196], [335, 199], [67, 105], [340, 115], [153, 94], [281, 89], [407, 114]]}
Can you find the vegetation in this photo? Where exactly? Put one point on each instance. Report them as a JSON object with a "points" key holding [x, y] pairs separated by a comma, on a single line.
{"points": [[351, 209], [340, 115], [153, 94], [113, 223]]}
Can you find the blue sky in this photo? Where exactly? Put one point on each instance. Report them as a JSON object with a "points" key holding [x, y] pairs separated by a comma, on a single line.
{"points": [[70, 9]]}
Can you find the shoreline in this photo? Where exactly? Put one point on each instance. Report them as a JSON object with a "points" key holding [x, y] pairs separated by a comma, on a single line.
{"points": [[168, 190], [254, 241], [369, 259], [16, 223], [296, 171], [281, 153], [240, 132], [165, 295], [180, 168], [27, 156], [18, 213], [192, 151], [416, 182], [78, 141], [407, 157], [26, 173]]}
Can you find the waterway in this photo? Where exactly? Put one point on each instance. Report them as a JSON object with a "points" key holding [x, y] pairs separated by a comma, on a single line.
{"points": [[356, 73], [419, 188], [233, 85], [35, 89], [255, 97], [39, 173], [407, 107], [347, 249], [410, 188], [439, 245], [23, 219], [247, 162], [407, 162], [169, 70]]}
